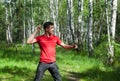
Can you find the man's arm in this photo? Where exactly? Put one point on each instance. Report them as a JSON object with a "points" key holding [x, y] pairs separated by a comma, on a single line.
{"points": [[68, 46], [32, 39]]}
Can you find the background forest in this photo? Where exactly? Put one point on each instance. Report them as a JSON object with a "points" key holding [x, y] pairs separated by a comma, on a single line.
{"points": [[94, 25]]}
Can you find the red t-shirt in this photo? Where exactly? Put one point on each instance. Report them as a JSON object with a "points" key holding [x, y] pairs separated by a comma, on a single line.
{"points": [[48, 47]]}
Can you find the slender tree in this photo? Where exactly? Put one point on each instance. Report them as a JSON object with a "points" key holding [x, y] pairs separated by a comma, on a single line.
{"points": [[80, 22], [9, 22], [70, 24], [90, 24], [54, 15], [24, 26], [112, 31]]}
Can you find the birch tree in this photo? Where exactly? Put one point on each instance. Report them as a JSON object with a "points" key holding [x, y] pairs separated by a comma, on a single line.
{"points": [[99, 14], [24, 29], [32, 22], [108, 25], [90, 24], [70, 23], [80, 21], [112, 31], [9, 23], [54, 15]]}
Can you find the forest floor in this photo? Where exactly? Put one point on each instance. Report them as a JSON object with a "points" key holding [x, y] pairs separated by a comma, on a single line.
{"points": [[20, 65]]}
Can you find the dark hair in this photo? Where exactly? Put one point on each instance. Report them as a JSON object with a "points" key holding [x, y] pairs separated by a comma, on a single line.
{"points": [[47, 24]]}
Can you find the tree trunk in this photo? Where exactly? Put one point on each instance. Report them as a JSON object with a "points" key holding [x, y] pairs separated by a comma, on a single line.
{"points": [[90, 24], [24, 29], [70, 21], [54, 15], [9, 25], [80, 22], [32, 25], [112, 31]]}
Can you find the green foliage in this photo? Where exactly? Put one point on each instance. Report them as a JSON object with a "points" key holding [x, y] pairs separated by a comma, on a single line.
{"points": [[42, 12], [98, 9], [2, 22], [101, 46], [117, 55]]}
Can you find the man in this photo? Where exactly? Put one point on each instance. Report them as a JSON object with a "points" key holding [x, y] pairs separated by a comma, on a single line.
{"points": [[47, 43]]}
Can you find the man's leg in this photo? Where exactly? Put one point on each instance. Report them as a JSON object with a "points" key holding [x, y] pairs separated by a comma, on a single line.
{"points": [[40, 71], [53, 69]]}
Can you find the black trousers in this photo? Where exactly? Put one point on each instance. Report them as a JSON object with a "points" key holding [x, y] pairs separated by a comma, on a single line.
{"points": [[51, 67]]}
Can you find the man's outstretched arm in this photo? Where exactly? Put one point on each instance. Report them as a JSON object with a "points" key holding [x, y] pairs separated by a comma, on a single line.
{"points": [[68, 46], [32, 39]]}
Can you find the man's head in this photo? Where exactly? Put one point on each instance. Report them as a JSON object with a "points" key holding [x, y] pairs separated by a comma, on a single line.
{"points": [[48, 27]]}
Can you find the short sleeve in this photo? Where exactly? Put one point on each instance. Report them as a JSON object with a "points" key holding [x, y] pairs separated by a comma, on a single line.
{"points": [[59, 41]]}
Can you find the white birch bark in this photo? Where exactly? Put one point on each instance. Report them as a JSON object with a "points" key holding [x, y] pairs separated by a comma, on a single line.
{"points": [[32, 19], [68, 33], [24, 29], [108, 25], [70, 19], [112, 30], [56, 19], [9, 25], [54, 15], [32, 24], [80, 21], [90, 24], [29, 28]]}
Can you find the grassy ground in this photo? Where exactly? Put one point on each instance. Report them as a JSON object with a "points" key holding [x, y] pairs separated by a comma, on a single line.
{"points": [[73, 66]]}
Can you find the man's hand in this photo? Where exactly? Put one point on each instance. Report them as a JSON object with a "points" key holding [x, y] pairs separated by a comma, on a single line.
{"points": [[75, 46], [32, 39], [38, 28]]}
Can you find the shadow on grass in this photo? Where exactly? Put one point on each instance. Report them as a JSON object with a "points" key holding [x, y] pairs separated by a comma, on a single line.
{"points": [[16, 72], [95, 74], [22, 74]]}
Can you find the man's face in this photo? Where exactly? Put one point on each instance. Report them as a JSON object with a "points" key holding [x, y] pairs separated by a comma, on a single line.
{"points": [[50, 29]]}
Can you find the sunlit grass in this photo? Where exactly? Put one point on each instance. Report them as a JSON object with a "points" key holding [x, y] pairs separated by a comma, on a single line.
{"points": [[73, 66]]}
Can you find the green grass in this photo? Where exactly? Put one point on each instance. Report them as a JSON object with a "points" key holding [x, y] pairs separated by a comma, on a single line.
{"points": [[73, 66]]}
